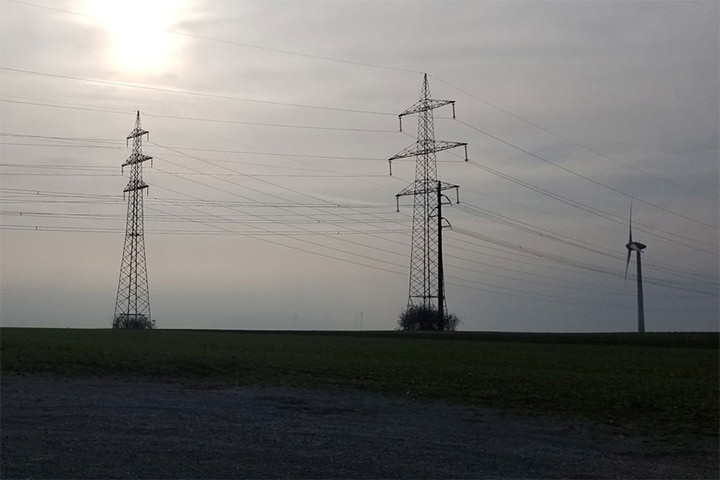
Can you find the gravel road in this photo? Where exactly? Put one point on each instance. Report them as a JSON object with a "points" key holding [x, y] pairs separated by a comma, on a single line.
{"points": [[136, 428]]}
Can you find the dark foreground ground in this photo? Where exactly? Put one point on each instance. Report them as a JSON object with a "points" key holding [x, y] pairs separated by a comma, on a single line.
{"points": [[56, 427]]}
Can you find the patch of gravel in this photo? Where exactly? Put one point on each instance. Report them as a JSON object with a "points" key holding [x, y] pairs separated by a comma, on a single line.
{"points": [[56, 427]]}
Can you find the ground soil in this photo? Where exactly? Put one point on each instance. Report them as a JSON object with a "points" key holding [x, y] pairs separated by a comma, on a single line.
{"points": [[56, 427]]}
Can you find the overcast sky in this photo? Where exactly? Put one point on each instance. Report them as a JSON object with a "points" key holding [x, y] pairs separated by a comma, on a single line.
{"points": [[270, 205]]}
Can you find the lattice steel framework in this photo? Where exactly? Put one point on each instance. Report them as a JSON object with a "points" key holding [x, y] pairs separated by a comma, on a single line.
{"points": [[132, 306], [426, 283]]}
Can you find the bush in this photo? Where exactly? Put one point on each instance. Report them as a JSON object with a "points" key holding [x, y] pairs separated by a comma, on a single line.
{"points": [[417, 317], [133, 321]]}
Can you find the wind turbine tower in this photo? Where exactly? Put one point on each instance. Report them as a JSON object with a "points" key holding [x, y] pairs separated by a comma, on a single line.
{"points": [[636, 247]]}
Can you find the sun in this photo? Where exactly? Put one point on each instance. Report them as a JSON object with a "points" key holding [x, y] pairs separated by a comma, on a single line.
{"points": [[137, 30]]}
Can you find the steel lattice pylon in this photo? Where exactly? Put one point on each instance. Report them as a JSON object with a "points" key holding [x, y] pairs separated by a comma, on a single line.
{"points": [[426, 282], [132, 306]]}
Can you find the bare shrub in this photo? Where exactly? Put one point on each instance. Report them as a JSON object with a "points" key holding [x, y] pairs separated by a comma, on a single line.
{"points": [[133, 321], [417, 317]]}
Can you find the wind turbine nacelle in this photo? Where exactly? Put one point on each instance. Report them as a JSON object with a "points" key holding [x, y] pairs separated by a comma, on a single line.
{"points": [[635, 246]]}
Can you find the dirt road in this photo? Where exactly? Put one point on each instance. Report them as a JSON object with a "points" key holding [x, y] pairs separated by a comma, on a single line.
{"points": [[129, 428]]}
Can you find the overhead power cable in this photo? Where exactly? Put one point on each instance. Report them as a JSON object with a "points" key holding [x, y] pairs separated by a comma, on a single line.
{"points": [[183, 148], [201, 119], [188, 92], [386, 67], [683, 241], [55, 137], [558, 237], [569, 140], [517, 256], [239, 44], [575, 263], [585, 177]]}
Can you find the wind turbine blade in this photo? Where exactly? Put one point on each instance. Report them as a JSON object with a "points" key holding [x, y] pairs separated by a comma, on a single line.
{"points": [[627, 264], [630, 227]]}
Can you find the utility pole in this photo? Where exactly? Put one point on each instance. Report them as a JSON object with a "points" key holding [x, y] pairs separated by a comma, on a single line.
{"points": [[441, 273], [426, 286], [442, 305], [132, 305]]}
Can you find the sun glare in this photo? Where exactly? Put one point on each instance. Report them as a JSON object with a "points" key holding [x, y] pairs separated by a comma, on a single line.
{"points": [[136, 29]]}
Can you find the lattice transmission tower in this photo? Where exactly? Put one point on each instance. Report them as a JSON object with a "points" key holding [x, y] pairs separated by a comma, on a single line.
{"points": [[427, 286], [132, 306]]}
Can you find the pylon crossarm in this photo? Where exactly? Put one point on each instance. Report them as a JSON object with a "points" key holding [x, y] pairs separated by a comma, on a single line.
{"points": [[137, 132], [417, 149], [421, 188], [136, 158], [424, 105], [135, 185], [413, 189]]}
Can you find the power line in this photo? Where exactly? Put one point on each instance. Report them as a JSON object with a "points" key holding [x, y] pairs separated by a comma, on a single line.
{"points": [[557, 237], [571, 141], [248, 175], [483, 213], [239, 44], [94, 197], [158, 171], [585, 177], [371, 65], [575, 263], [183, 148], [201, 119], [517, 256], [52, 137], [684, 241], [188, 92]]}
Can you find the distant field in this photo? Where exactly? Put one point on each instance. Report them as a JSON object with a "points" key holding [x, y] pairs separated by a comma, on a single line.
{"points": [[653, 383]]}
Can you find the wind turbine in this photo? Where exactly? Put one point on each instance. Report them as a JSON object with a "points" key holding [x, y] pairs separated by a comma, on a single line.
{"points": [[636, 247]]}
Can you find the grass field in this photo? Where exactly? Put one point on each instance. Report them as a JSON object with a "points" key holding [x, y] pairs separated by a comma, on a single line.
{"points": [[654, 383]]}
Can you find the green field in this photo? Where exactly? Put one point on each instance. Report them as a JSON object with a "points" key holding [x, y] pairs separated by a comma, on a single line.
{"points": [[653, 383]]}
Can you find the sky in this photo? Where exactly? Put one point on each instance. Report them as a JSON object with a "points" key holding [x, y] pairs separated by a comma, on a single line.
{"points": [[270, 204]]}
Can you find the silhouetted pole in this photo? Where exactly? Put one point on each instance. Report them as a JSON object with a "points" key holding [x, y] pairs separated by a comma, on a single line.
{"points": [[641, 306], [441, 273]]}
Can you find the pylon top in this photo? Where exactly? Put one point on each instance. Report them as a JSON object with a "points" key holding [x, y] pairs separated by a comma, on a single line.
{"points": [[426, 103], [137, 131]]}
